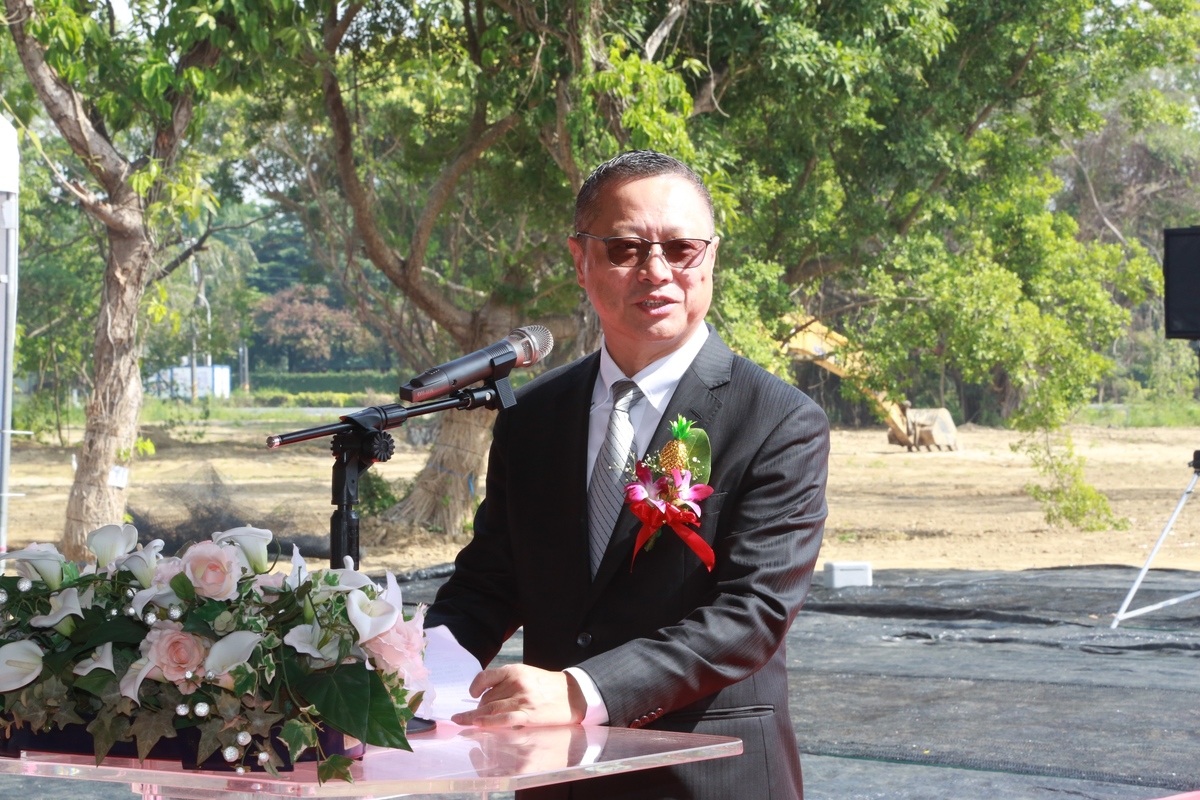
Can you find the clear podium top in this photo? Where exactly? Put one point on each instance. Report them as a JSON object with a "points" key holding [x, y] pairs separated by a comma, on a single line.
{"points": [[448, 759]]}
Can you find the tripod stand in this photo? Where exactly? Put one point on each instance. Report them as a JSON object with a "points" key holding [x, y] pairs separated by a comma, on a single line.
{"points": [[1123, 613]]}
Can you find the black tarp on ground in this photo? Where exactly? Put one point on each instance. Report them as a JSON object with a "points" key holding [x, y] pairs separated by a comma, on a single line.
{"points": [[1012, 673], [955, 685]]}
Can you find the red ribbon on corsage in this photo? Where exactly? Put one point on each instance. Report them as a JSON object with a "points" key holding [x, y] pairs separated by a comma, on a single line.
{"points": [[671, 502]]}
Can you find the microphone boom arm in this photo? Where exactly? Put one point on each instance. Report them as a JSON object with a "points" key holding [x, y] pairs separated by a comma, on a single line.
{"points": [[360, 440]]}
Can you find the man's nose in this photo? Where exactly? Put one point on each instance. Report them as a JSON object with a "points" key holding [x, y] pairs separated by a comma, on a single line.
{"points": [[655, 268]]}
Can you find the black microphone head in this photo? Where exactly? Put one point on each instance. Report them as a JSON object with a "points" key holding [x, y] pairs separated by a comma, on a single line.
{"points": [[535, 342]]}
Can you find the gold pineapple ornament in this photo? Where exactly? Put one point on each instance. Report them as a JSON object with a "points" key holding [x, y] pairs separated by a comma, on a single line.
{"points": [[689, 449], [674, 454]]}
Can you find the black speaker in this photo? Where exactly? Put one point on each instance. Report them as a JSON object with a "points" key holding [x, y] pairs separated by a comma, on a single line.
{"points": [[1181, 282]]}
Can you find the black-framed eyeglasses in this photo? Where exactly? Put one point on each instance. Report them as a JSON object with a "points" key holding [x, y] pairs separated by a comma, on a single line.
{"points": [[632, 251]]}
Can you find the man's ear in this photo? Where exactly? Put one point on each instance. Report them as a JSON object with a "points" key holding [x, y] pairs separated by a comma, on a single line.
{"points": [[579, 257]]}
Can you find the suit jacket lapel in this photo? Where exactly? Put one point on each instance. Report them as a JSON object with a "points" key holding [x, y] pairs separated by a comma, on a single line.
{"points": [[574, 406], [694, 399]]}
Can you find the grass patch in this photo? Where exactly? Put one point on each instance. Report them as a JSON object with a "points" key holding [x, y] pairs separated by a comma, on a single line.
{"points": [[1175, 413]]}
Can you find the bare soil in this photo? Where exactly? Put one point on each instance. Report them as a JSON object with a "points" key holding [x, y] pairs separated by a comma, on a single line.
{"points": [[966, 509]]}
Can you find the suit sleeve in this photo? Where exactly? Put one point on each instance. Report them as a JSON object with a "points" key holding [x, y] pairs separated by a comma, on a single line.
{"points": [[479, 603], [769, 532]]}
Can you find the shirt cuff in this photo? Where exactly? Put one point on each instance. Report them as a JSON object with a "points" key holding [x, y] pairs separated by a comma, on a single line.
{"points": [[597, 712]]}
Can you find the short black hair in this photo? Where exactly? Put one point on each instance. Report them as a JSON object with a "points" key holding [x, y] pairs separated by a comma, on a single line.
{"points": [[631, 166]]}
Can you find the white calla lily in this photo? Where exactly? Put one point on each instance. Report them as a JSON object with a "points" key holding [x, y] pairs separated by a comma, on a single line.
{"points": [[62, 605], [299, 572], [392, 591], [110, 541], [44, 560], [131, 681], [226, 653], [252, 544], [369, 617], [142, 562], [306, 639], [20, 664], [161, 596], [101, 659], [348, 578]]}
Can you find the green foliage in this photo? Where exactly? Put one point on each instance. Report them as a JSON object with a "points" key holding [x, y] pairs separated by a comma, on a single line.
{"points": [[272, 398], [1167, 413], [375, 494], [1068, 499]]}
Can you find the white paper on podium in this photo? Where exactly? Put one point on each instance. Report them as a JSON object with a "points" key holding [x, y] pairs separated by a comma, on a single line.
{"points": [[451, 670]]}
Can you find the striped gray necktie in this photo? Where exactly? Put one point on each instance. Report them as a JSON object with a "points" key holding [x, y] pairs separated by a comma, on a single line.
{"points": [[614, 463]]}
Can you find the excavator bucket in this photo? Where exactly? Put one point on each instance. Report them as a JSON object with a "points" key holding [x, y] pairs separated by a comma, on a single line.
{"points": [[928, 428]]}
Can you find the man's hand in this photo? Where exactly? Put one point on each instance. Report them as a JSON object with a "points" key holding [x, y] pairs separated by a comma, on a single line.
{"points": [[517, 694]]}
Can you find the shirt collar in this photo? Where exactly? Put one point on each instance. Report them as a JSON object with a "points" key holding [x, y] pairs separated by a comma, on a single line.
{"points": [[659, 378]]}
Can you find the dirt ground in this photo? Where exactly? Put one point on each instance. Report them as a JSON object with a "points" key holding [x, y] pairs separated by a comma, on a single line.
{"points": [[966, 509]]}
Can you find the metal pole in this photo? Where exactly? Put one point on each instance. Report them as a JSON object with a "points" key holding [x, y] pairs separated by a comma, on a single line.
{"points": [[1122, 614], [10, 168]]}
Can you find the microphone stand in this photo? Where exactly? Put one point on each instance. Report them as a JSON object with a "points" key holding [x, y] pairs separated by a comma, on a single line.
{"points": [[361, 439]]}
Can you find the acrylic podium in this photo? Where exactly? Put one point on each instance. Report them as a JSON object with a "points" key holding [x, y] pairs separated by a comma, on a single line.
{"points": [[450, 760]]}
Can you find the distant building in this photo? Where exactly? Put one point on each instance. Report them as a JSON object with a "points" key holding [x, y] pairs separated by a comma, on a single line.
{"points": [[176, 382]]}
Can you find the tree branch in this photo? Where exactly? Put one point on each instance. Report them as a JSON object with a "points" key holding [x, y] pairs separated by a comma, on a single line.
{"points": [[1095, 201], [407, 273], [66, 109], [654, 40]]}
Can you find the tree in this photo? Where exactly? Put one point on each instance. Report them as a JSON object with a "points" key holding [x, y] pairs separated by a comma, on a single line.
{"points": [[870, 162], [300, 322], [439, 119], [125, 99]]}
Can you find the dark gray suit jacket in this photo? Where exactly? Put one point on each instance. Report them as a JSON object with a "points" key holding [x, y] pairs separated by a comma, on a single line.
{"points": [[668, 644]]}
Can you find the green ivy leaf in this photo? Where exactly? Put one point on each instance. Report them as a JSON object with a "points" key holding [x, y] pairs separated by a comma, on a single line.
{"points": [[107, 730], [149, 726], [209, 743], [181, 585], [354, 700], [118, 630], [95, 681], [298, 736], [335, 767]]}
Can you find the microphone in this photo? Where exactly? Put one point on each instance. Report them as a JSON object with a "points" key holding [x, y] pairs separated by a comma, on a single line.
{"points": [[521, 348]]}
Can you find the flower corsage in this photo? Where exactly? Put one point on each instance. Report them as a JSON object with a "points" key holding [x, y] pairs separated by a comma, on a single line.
{"points": [[664, 495]]}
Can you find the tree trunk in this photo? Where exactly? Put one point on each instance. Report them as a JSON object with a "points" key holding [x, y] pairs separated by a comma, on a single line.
{"points": [[449, 487], [116, 400]]}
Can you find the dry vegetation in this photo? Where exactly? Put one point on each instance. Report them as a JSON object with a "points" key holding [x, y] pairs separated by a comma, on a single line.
{"points": [[964, 509]]}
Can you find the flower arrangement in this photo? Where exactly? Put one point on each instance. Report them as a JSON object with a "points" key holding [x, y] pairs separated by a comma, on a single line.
{"points": [[211, 643], [663, 496]]}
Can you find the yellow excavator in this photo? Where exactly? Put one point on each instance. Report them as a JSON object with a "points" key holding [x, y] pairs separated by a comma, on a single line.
{"points": [[909, 427]]}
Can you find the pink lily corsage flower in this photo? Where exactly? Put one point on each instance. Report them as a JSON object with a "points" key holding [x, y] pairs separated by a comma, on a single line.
{"points": [[645, 489], [684, 491], [671, 502]]}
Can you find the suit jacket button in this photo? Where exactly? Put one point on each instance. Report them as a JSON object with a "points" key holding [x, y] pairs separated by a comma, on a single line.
{"points": [[584, 639]]}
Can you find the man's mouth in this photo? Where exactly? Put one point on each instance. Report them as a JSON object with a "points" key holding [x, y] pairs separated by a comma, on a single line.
{"points": [[654, 303]]}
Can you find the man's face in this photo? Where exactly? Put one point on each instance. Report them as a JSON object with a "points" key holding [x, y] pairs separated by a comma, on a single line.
{"points": [[648, 311]]}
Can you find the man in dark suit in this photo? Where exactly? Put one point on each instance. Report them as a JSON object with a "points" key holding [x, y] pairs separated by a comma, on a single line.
{"points": [[662, 643]]}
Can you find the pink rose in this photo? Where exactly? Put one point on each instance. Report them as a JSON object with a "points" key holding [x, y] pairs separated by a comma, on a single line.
{"points": [[272, 580], [174, 652], [398, 649], [166, 569], [213, 570]]}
